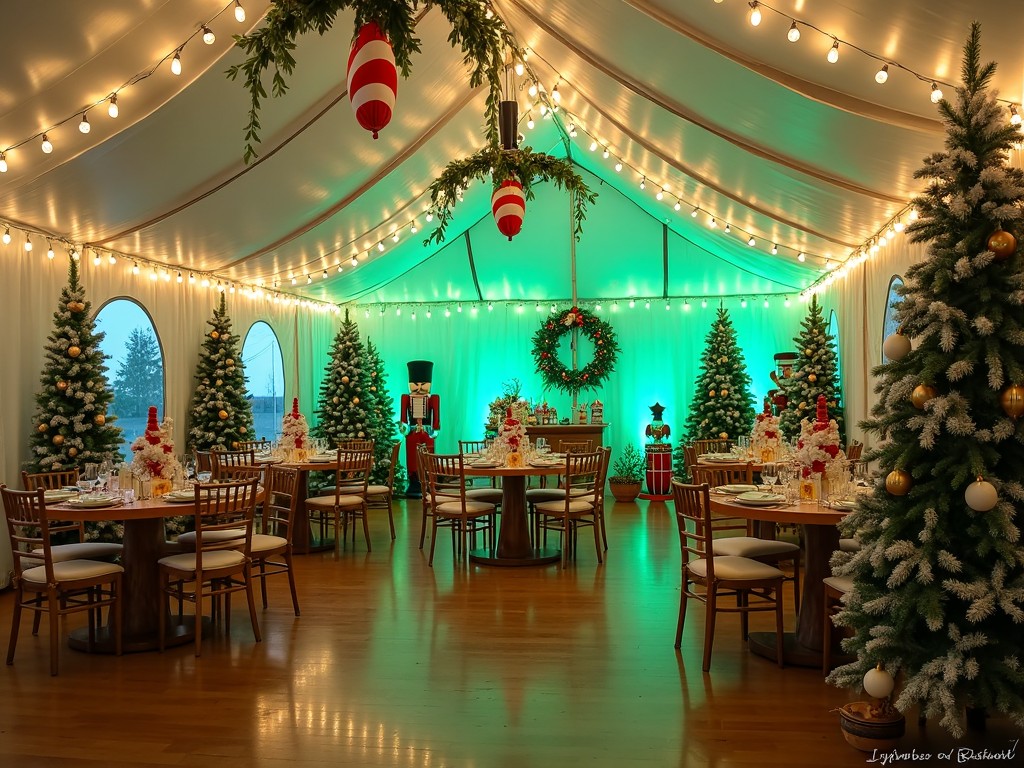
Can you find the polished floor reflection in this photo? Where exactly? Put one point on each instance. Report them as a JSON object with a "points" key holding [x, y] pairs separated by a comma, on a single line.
{"points": [[393, 663]]}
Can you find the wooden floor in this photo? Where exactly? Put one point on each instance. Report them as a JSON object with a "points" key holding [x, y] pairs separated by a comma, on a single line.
{"points": [[393, 663]]}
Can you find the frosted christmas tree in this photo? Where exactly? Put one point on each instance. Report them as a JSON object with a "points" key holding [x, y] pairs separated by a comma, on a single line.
{"points": [[72, 425], [341, 410], [221, 414], [722, 406], [938, 594], [816, 373]]}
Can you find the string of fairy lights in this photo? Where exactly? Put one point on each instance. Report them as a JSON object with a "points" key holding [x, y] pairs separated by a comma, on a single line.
{"points": [[546, 104]]}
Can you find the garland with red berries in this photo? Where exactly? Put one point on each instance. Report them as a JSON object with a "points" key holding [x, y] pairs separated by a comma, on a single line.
{"points": [[545, 351]]}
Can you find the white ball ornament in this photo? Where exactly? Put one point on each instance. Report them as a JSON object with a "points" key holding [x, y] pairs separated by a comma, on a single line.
{"points": [[896, 346], [878, 683], [981, 495]]}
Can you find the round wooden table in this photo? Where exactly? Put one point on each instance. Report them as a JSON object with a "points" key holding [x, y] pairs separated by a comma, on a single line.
{"points": [[514, 546], [821, 539], [144, 544]]}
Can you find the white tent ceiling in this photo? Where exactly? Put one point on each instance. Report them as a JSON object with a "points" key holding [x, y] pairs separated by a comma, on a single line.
{"points": [[761, 133]]}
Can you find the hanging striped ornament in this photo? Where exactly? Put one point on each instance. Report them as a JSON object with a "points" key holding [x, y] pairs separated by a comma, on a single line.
{"points": [[508, 204], [372, 78]]}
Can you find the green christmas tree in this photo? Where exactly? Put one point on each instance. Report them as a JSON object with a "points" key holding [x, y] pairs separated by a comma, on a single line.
{"points": [[938, 594], [221, 413], [722, 406], [381, 421], [814, 373], [71, 423], [342, 410]]}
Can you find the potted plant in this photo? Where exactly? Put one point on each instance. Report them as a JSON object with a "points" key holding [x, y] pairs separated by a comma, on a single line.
{"points": [[628, 474]]}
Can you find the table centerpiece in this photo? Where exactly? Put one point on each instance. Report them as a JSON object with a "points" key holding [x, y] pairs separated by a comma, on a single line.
{"points": [[818, 453], [154, 464], [295, 435]]}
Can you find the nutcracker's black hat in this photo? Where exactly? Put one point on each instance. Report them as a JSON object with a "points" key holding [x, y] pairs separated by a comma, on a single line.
{"points": [[421, 370]]}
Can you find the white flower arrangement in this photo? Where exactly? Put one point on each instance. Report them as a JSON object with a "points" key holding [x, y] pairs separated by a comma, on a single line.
{"points": [[154, 450], [511, 435], [766, 436], [817, 450], [294, 429]]}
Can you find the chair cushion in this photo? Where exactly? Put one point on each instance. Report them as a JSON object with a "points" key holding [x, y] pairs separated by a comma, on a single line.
{"points": [[489, 495], [472, 508], [558, 507], [263, 542], [839, 583], [187, 540], [537, 495], [72, 570], [222, 558], [377, 490], [849, 545], [750, 546], [345, 501], [736, 569], [86, 550]]}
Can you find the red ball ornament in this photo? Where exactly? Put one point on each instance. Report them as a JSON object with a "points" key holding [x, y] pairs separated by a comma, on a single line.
{"points": [[508, 205], [372, 78], [1002, 244]]}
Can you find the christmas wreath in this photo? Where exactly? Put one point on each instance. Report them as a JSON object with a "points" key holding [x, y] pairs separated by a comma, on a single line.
{"points": [[545, 351]]}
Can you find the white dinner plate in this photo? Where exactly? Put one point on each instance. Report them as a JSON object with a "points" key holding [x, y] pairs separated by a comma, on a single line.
{"points": [[736, 488], [484, 464], [543, 463], [174, 498], [719, 458], [323, 459], [760, 499], [95, 503]]}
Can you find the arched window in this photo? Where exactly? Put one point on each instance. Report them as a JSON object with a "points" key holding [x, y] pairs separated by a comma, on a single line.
{"points": [[264, 375], [833, 331], [889, 324], [135, 365]]}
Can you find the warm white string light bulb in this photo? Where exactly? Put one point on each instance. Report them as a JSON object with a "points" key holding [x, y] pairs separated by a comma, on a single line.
{"points": [[176, 63], [833, 53], [49, 251], [1014, 115], [794, 32], [47, 145], [208, 37], [755, 13], [936, 94], [7, 236], [882, 74], [112, 109], [3, 162], [28, 243], [84, 125], [239, 12]]}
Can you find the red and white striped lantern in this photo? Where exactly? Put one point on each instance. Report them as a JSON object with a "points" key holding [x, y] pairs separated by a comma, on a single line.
{"points": [[372, 78], [508, 204]]}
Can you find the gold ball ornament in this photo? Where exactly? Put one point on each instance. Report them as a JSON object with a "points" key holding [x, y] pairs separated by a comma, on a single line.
{"points": [[58, 440], [723, 435], [711, 393], [219, 382], [234, 445], [43, 427], [230, 361], [981, 495], [336, 400], [373, 374], [222, 415], [214, 335], [62, 385], [72, 451], [76, 306], [99, 419], [243, 429], [922, 394], [724, 393], [1012, 401], [898, 482], [355, 401], [74, 351], [373, 389], [808, 352], [812, 377], [344, 379], [1002, 244]]}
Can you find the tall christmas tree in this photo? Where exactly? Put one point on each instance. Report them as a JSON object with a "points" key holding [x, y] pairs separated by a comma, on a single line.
{"points": [[381, 420], [722, 406], [342, 410], [938, 594], [72, 425], [221, 413], [815, 373]]}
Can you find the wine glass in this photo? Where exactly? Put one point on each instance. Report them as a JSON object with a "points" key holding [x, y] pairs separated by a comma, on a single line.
{"points": [[190, 467], [106, 468], [860, 473], [769, 474], [87, 478]]}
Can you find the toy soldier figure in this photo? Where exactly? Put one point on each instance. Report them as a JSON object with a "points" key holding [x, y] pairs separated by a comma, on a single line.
{"points": [[420, 420]]}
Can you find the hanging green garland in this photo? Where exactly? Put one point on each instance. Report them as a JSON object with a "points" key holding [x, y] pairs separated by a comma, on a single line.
{"points": [[545, 351]]}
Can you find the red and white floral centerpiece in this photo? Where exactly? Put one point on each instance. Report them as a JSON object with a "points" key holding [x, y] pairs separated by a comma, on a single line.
{"points": [[766, 438], [817, 451], [511, 442], [295, 434], [154, 461]]}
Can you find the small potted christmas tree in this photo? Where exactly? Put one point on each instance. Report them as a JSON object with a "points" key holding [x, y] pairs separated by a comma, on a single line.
{"points": [[628, 474]]}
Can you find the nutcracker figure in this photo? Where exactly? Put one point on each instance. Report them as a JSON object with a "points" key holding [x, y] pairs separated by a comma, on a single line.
{"points": [[420, 419]]}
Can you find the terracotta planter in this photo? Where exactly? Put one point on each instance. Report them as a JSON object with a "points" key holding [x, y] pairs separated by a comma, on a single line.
{"points": [[868, 731], [625, 492]]}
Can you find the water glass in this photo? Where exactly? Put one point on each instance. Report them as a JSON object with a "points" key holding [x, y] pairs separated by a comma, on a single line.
{"points": [[769, 474]]}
